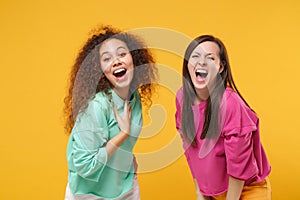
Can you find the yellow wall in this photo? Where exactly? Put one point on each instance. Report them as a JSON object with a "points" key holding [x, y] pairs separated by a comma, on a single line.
{"points": [[40, 39]]}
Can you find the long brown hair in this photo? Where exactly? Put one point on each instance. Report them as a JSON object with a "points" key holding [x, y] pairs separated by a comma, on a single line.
{"points": [[87, 77], [211, 122]]}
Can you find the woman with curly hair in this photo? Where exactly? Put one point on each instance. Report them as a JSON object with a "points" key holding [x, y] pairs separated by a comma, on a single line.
{"points": [[113, 73]]}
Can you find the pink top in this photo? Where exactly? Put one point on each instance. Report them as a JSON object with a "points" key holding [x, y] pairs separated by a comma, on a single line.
{"points": [[237, 152]]}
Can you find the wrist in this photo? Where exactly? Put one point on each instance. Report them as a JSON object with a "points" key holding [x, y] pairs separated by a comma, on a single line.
{"points": [[125, 130], [126, 133]]}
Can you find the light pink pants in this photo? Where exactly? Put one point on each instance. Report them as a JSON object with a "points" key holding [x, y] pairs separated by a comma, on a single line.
{"points": [[133, 194]]}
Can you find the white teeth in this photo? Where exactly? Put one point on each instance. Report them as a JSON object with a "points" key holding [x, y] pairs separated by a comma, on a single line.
{"points": [[119, 70], [201, 71]]}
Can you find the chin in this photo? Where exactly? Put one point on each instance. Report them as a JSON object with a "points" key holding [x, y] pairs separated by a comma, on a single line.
{"points": [[200, 86], [122, 85]]}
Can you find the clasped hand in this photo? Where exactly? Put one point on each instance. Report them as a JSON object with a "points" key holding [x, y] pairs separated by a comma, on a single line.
{"points": [[124, 120]]}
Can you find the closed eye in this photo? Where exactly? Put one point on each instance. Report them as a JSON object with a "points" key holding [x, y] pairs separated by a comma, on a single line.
{"points": [[122, 54], [195, 56], [106, 59]]}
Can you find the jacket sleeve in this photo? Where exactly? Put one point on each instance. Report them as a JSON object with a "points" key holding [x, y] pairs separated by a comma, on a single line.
{"points": [[90, 137], [240, 124]]}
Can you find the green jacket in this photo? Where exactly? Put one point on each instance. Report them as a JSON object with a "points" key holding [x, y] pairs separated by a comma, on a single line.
{"points": [[90, 170]]}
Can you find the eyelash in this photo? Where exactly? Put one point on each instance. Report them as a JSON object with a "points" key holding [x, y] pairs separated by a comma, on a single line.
{"points": [[106, 59], [121, 55], [197, 56]]}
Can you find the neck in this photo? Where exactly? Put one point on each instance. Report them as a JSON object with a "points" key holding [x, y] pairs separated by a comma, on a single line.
{"points": [[122, 92], [202, 95]]}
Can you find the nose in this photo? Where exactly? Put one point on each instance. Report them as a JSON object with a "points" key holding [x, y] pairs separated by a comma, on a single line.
{"points": [[202, 62], [116, 62]]}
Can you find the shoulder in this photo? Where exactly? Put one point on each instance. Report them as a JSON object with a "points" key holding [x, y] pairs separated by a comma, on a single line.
{"points": [[235, 105], [100, 102], [230, 96], [237, 114], [102, 99], [136, 100], [232, 101], [137, 95]]}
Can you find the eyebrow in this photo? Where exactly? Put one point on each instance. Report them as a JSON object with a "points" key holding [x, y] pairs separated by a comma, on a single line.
{"points": [[208, 54], [120, 47]]}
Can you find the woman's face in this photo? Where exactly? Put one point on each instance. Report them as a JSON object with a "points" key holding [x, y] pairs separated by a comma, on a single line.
{"points": [[204, 65], [116, 63]]}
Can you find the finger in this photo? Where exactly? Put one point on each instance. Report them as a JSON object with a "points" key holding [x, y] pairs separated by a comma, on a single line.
{"points": [[129, 112], [125, 106], [129, 115], [115, 111]]}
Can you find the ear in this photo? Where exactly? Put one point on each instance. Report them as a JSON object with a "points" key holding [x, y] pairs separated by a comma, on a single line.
{"points": [[222, 66]]}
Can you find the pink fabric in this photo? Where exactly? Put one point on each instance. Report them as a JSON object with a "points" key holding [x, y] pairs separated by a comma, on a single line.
{"points": [[238, 151]]}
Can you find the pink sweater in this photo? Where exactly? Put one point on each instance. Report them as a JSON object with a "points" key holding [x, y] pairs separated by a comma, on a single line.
{"points": [[238, 151]]}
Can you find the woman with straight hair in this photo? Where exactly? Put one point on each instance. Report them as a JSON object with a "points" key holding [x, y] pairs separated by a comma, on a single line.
{"points": [[220, 132]]}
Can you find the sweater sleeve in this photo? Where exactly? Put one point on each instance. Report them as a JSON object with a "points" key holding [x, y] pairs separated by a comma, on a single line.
{"points": [[240, 123], [90, 137], [178, 117]]}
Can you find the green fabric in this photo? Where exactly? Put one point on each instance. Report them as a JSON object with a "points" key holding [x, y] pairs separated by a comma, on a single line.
{"points": [[90, 170]]}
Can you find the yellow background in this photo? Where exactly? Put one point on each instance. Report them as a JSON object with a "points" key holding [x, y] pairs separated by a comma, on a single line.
{"points": [[39, 42]]}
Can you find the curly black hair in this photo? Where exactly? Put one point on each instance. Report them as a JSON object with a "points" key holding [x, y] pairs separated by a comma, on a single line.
{"points": [[87, 77]]}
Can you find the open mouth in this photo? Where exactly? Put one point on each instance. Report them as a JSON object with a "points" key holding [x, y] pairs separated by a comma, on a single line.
{"points": [[202, 73], [119, 72]]}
